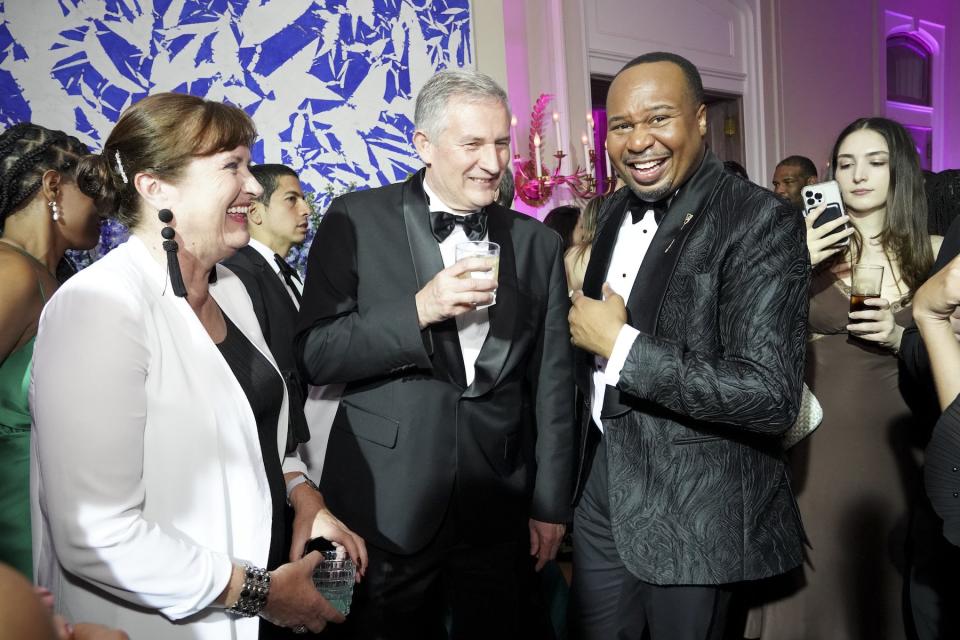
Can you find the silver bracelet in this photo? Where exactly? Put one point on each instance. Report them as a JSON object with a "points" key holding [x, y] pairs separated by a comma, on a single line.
{"points": [[253, 592]]}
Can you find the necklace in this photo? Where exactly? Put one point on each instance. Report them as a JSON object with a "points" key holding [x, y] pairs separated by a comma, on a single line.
{"points": [[16, 247]]}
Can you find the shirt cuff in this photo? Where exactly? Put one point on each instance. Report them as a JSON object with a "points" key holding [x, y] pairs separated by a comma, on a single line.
{"points": [[618, 357]]}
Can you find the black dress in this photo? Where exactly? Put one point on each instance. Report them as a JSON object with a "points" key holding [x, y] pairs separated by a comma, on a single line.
{"points": [[263, 386]]}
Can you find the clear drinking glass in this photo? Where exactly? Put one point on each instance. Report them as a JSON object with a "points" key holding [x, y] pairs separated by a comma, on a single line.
{"points": [[334, 578], [865, 283], [480, 249]]}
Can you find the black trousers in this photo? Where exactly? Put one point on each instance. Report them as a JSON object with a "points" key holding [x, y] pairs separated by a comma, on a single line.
{"points": [[608, 603], [454, 588]]}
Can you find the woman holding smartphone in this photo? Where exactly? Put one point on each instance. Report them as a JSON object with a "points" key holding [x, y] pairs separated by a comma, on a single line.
{"points": [[854, 475]]}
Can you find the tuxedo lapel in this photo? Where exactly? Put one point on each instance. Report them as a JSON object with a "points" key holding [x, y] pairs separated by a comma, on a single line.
{"points": [[656, 270], [270, 278], [602, 251], [444, 340], [503, 314], [611, 217]]}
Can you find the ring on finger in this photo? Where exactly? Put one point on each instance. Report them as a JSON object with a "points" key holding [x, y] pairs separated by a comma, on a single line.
{"points": [[300, 628]]}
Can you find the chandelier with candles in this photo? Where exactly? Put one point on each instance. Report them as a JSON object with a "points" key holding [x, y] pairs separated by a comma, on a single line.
{"points": [[535, 182]]}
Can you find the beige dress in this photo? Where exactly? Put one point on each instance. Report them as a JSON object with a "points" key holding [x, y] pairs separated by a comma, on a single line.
{"points": [[852, 477]]}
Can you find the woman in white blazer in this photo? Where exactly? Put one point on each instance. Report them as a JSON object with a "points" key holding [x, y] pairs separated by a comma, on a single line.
{"points": [[159, 454]]}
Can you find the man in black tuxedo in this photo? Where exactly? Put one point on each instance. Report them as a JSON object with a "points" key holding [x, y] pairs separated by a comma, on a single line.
{"points": [[452, 451], [687, 384], [277, 221]]}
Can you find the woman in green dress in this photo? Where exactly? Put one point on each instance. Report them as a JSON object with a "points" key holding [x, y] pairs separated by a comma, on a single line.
{"points": [[42, 214]]}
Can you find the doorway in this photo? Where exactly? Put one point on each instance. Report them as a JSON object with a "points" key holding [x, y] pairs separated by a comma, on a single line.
{"points": [[724, 121]]}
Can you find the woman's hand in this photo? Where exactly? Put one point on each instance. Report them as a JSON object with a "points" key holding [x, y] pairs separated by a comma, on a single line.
{"points": [[294, 601], [312, 520], [877, 324], [820, 242]]}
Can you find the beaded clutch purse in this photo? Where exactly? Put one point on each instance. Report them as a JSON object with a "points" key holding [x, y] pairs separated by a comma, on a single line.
{"points": [[809, 418]]}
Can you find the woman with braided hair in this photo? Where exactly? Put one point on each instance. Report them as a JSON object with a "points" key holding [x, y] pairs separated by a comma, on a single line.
{"points": [[42, 214]]}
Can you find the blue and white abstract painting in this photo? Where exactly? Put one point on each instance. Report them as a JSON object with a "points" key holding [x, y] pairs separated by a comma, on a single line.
{"points": [[330, 83]]}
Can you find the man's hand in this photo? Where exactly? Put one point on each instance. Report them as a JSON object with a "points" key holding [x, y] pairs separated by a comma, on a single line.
{"points": [[545, 540], [312, 520], [453, 292], [821, 243], [595, 324]]}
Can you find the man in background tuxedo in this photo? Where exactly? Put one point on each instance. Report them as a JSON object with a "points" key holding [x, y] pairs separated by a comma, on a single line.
{"points": [[691, 327], [452, 451], [791, 175], [277, 221]]}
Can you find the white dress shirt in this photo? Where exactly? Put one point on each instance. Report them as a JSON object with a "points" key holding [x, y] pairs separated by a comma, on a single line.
{"points": [[633, 240], [472, 326], [268, 255]]}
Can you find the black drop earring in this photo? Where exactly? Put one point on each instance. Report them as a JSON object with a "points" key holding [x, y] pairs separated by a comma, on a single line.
{"points": [[170, 246]]}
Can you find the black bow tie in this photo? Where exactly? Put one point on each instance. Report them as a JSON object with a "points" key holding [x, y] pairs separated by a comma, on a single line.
{"points": [[639, 208], [442, 224], [289, 275], [637, 212]]}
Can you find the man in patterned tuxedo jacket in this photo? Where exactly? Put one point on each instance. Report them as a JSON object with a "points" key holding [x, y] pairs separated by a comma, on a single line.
{"points": [[691, 329]]}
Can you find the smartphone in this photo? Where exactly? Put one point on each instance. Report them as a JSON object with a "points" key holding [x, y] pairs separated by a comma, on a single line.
{"points": [[827, 193]]}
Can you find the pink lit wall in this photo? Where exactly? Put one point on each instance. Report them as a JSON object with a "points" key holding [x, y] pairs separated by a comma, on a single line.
{"points": [[827, 72], [831, 60], [518, 80]]}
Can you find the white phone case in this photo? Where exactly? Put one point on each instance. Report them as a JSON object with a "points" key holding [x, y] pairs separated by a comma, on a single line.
{"points": [[827, 193]]}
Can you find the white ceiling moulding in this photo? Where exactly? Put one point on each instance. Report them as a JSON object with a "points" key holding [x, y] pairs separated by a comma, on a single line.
{"points": [[721, 37]]}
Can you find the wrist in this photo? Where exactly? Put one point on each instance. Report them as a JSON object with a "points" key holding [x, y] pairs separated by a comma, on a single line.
{"points": [[929, 326], [611, 343], [252, 596], [421, 312], [926, 319], [231, 592], [896, 336], [299, 486]]}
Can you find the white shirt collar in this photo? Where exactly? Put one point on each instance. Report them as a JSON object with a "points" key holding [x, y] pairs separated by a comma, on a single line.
{"points": [[266, 252], [434, 203]]}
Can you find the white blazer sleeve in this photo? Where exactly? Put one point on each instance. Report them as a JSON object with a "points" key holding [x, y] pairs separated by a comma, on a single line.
{"points": [[89, 407]]}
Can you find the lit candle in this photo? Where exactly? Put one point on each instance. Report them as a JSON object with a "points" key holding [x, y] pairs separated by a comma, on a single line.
{"points": [[586, 153], [556, 128], [513, 138], [590, 123], [536, 151], [606, 154]]}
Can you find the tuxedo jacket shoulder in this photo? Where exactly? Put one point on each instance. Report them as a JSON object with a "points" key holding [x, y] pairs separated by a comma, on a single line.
{"points": [[410, 435], [699, 489], [275, 311]]}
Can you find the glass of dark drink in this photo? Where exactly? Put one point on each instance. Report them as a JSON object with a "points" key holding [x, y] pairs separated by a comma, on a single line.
{"points": [[865, 281]]}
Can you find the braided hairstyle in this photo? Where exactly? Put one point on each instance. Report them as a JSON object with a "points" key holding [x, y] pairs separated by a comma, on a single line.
{"points": [[27, 151]]}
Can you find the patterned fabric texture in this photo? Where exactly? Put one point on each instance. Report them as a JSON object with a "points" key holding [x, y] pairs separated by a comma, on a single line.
{"points": [[699, 489]]}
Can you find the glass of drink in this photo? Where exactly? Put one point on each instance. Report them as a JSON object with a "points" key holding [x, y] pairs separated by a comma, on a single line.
{"points": [[334, 578], [481, 249], [865, 281]]}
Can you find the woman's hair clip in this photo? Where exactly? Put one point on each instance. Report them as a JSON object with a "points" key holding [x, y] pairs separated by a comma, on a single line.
{"points": [[123, 174]]}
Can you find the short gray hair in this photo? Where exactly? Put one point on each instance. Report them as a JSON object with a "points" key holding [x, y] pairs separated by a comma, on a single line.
{"points": [[472, 86]]}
